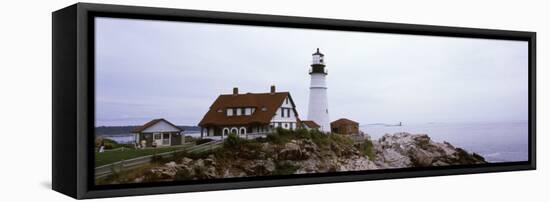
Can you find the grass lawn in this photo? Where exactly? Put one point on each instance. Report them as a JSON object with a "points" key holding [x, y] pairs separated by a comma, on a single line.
{"points": [[119, 155]]}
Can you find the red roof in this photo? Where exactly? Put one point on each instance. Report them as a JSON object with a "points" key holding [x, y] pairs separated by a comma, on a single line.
{"points": [[310, 124], [265, 104], [151, 123], [342, 121]]}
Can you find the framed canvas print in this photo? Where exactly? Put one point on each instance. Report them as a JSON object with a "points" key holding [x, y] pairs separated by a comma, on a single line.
{"points": [[155, 100]]}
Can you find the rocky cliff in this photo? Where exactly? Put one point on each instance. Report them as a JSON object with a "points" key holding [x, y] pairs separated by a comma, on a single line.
{"points": [[297, 156]]}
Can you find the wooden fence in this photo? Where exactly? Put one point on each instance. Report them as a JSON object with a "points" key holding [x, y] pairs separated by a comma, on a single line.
{"points": [[106, 170]]}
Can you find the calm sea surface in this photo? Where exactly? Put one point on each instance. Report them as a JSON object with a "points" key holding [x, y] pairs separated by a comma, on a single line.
{"points": [[497, 142], [125, 138]]}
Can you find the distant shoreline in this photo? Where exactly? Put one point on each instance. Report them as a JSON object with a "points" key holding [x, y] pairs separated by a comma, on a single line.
{"points": [[121, 130]]}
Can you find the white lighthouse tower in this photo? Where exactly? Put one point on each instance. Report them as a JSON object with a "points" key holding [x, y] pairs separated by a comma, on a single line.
{"points": [[318, 101]]}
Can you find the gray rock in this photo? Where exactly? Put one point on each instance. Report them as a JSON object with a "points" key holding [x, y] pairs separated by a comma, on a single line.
{"points": [[292, 151], [406, 150], [400, 150], [186, 160]]}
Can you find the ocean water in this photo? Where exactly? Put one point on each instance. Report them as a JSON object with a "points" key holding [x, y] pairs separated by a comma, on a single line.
{"points": [[126, 138], [496, 142]]}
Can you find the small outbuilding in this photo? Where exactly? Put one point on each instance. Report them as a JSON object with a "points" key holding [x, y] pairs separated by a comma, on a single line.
{"points": [[345, 126], [158, 133], [309, 125]]}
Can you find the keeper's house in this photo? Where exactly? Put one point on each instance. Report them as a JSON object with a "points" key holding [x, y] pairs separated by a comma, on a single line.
{"points": [[158, 133], [249, 114]]}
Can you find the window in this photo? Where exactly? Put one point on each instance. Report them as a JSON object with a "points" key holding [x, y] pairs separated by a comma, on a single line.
{"points": [[242, 131], [165, 138], [229, 112], [282, 112], [156, 136], [225, 131], [288, 112], [238, 111]]}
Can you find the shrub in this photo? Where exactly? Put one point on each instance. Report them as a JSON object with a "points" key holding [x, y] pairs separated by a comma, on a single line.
{"points": [[232, 141], [280, 136], [319, 138], [108, 143], [276, 139], [302, 133], [283, 132], [284, 168], [367, 149], [252, 145], [341, 139]]}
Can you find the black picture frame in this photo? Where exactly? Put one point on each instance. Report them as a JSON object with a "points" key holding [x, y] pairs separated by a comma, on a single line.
{"points": [[73, 98]]}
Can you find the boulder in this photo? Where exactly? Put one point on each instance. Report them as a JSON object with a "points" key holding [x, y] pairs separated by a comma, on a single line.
{"points": [[259, 168], [292, 151], [170, 164]]}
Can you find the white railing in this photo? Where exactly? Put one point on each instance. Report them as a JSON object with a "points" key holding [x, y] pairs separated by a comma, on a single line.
{"points": [[245, 136], [213, 137], [251, 136]]}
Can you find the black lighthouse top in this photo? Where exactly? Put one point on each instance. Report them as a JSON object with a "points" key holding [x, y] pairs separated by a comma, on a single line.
{"points": [[318, 53], [318, 63]]}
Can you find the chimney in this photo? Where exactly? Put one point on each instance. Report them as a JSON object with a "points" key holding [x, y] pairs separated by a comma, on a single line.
{"points": [[272, 89], [235, 91]]}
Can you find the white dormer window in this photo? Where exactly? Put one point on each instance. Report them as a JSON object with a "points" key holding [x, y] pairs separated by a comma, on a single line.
{"points": [[239, 111], [229, 112], [248, 111]]}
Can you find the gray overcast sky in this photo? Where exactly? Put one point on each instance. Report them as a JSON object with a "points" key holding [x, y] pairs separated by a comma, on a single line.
{"points": [[149, 69]]}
